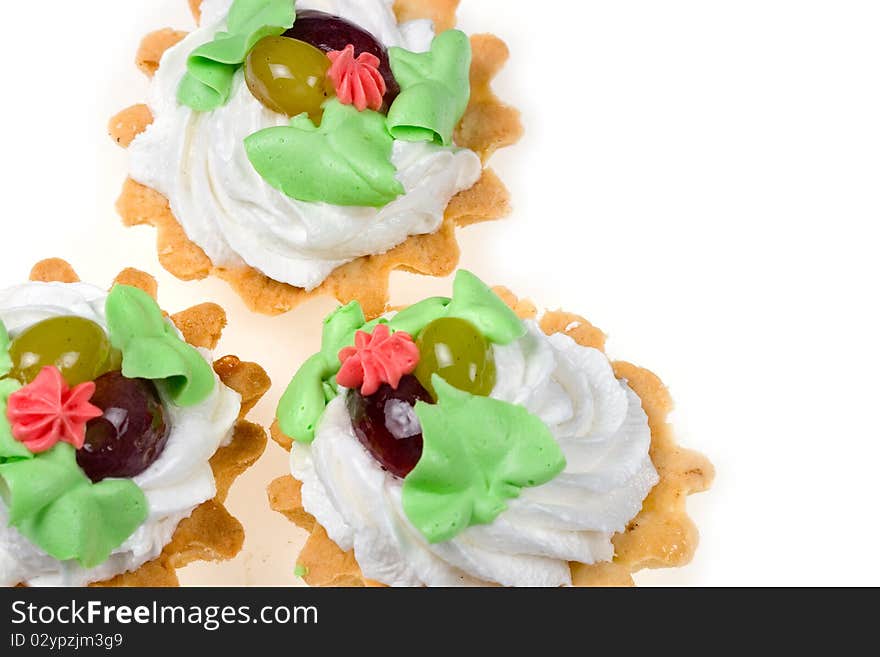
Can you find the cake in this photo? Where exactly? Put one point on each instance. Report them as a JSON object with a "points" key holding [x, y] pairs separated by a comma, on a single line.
{"points": [[311, 148], [470, 441], [120, 435]]}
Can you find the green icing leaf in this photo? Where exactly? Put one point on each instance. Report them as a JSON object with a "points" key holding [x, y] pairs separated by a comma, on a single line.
{"points": [[247, 16], [435, 87], [478, 453], [53, 504], [304, 401], [10, 448], [413, 319], [331, 390], [346, 161], [151, 349], [339, 330], [474, 301], [35, 483], [5, 359], [211, 67]]}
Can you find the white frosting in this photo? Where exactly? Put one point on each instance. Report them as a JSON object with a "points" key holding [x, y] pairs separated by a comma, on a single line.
{"points": [[198, 161], [179, 481], [598, 422]]}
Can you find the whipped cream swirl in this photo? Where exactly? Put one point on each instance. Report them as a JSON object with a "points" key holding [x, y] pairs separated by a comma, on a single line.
{"points": [[598, 422], [179, 481], [198, 161]]}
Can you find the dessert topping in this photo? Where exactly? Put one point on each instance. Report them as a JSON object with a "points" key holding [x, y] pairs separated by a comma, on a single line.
{"points": [[376, 359], [48, 411], [358, 81]]}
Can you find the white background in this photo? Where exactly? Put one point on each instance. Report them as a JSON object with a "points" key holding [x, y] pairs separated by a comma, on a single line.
{"points": [[699, 178]]}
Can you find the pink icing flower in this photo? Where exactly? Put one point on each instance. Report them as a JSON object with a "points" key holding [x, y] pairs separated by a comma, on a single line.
{"points": [[376, 359], [47, 411], [358, 81]]}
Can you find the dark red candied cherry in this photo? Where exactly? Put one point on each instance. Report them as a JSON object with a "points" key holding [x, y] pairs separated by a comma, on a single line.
{"points": [[328, 32], [387, 426], [132, 433]]}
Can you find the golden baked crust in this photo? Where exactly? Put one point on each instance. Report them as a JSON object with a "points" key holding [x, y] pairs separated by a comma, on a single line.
{"points": [[487, 125], [660, 536], [153, 47], [210, 533]]}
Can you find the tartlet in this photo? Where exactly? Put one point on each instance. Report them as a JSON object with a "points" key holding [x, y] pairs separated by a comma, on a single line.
{"points": [[280, 237], [474, 441], [138, 431]]}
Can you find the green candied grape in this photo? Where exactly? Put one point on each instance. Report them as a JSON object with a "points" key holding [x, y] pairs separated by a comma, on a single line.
{"points": [[289, 76], [77, 346], [459, 354]]}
